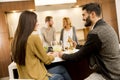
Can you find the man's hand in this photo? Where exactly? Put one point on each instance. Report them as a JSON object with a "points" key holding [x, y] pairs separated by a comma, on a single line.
{"points": [[60, 54]]}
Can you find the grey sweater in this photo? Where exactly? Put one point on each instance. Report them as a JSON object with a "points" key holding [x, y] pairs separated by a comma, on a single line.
{"points": [[102, 44], [48, 35]]}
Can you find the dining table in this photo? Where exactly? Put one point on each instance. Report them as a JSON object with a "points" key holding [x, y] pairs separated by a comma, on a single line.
{"points": [[77, 70]]}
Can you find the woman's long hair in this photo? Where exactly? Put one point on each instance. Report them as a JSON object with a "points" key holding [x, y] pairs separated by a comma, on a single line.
{"points": [[26, 25], [67, 20]]}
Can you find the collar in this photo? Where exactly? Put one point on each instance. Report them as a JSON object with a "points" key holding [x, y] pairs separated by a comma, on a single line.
{"points": [[92, 27], [100, 21]]}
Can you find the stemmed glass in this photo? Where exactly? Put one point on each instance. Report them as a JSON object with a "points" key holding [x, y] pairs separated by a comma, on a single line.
{"points": [[53, 43], [57, 46]]}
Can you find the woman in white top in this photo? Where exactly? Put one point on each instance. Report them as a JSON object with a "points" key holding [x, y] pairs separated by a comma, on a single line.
{"points": [[68, 31]]}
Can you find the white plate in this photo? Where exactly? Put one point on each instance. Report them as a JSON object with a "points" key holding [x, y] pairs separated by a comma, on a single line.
{"points": [[58, 59], [71, 51]]}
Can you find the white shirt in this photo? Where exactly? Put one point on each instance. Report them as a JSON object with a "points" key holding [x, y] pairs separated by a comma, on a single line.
{"points": [[67, 34]]}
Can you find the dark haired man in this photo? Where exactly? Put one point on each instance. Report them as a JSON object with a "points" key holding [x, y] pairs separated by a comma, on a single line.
{"points": [[102, 46]]}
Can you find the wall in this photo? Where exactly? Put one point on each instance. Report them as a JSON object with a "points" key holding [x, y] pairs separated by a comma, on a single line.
{"points": [[75, 15], [5, 58], [12, 19], [109, 13], [4, 46], [76, 20], [118, 14]]}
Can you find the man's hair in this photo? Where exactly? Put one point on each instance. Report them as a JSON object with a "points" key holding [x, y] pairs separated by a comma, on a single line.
{"points": [[48, 18], [92, 7]]}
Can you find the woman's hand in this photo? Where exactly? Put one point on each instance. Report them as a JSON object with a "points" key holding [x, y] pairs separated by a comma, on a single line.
{"points": [[52, 54], [74, 44]]}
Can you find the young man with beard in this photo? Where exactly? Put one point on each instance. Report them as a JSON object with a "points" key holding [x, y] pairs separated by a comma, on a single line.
{"points": [[48, 32], [101, 46]]}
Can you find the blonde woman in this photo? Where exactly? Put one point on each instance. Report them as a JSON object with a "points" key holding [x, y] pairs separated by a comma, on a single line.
{"points": [[68, 31]]}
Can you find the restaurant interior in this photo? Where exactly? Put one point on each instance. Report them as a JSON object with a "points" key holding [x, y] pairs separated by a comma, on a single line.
{"points": [[11, 9]]}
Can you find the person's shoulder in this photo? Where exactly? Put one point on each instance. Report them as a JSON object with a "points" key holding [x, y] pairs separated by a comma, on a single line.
{"points": [[42, 28], [53, 28], [73, 27], [62, 29], [33, 37]]}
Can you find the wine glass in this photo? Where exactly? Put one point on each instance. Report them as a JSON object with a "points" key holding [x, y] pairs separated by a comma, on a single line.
{"points": [[57, 46], [53, 43]]}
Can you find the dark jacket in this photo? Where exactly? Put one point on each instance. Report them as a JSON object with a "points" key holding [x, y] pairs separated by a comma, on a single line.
{"points": [[102, 46]]}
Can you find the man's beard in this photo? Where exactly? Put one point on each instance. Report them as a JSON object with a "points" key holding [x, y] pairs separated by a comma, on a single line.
{"points": [[88, 22], [50, 25]]}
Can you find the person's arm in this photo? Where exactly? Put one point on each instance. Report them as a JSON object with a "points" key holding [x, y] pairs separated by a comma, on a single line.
{"points": [[61, 35], [92, 45], [78, 46], [40, 52], [43, 32], [75, 36], [54, 34]]}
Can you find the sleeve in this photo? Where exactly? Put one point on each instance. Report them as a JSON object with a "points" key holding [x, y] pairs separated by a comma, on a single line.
{"points": [[75, 36], [78, 46], [61, 35], [42, 34], [40, 52], [43, 37], [54, 34], [92, 45]]}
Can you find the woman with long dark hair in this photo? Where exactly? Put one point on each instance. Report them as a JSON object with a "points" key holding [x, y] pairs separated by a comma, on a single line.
{"points": [[28, 52]]}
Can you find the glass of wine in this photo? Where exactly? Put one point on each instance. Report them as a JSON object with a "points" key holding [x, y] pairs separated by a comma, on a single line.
{"points": [[57, 46]]}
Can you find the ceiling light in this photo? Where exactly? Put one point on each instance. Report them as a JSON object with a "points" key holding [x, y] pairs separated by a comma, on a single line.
{"points": [[52, 2]]}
